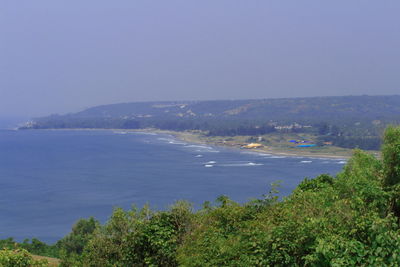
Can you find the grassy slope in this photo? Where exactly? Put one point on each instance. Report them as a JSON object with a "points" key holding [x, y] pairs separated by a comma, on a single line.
{"points": [[53, 262]]}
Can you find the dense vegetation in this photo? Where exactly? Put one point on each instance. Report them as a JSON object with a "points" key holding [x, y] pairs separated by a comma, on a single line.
{"points": [[347, 220], [348, 121]]}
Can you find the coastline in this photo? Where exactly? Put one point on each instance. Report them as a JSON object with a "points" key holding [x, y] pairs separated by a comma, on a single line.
{"points": [[197, 137]]}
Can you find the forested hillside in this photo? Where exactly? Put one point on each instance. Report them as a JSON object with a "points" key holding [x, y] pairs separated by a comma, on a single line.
{"points": [[352, 219], [335, 108], [347, 121]]}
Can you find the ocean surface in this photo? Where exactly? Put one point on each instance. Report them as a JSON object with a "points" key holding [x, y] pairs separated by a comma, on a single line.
{"points": [[50, 179]]}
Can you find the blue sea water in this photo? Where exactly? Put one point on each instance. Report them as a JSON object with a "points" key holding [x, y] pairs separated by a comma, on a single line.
{"points": [[50, 179]]}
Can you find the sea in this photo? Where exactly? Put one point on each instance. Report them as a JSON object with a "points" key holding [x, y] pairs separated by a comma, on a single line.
{"points": [[49, 179]]}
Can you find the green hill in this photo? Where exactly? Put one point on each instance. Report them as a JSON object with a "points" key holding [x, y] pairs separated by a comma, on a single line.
{"points": [[312, 108], [345, 121]]}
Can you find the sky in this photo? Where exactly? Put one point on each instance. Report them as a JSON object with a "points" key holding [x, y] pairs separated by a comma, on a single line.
{"points": [[66, 55]]}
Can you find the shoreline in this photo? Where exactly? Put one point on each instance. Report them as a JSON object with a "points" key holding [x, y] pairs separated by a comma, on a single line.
{"points": [[196, 138], [199, 138]]}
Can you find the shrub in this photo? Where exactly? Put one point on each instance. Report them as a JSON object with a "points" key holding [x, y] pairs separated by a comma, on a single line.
{"points": [[19, 258]]}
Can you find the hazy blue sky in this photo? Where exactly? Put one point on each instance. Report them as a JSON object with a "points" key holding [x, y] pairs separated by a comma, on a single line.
{"points": [[60, 56]]}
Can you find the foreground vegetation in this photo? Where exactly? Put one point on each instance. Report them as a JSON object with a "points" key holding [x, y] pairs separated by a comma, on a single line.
{"points": [[351, 219]]}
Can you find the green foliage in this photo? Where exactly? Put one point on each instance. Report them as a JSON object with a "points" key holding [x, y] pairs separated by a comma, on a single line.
{"points": [[361, 181], [8, 243], [71, 246], [37, 247], [19, 258], [380, 247], [321, 181], [140, 238], [391, 166], [81, 233], [352, 140], [391, 156], [33, 246]]}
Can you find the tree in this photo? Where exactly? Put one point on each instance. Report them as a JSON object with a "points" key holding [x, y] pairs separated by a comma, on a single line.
{"points": [[80, 235], [391, 156], [391, 166]]}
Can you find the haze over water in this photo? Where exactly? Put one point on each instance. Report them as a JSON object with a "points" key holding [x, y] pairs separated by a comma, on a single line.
{"points": [[50, 179]]}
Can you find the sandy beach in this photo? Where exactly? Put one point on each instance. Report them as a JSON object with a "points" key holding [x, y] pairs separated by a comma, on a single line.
{"points": [[191, 137]]}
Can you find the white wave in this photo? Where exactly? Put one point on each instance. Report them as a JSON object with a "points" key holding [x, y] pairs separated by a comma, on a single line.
{"points": [[207, 151], [256, 154], [165, 139], [198, 156], [306, 161], [145, 133], [173, 142], [254, 164], [248, 164], [342, 162], [208, 165], [318, 158], [199, 146], [211, 162]]}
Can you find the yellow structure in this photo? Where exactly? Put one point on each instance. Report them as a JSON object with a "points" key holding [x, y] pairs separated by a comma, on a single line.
{"points": [[252, 145]]}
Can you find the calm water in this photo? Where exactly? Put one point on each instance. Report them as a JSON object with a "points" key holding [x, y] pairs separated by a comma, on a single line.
{"points": [[50, 179]]}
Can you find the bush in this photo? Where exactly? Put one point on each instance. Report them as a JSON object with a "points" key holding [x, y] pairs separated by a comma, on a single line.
{"points": [[19, 258], [140, 238]]}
